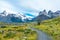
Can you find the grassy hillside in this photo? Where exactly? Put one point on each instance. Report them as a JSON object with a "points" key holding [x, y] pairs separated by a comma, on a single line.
{"points": [[13, 32], [51, 27]]}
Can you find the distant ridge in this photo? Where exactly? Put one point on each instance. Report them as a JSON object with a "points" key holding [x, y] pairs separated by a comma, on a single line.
{"points": [[17, 17]]}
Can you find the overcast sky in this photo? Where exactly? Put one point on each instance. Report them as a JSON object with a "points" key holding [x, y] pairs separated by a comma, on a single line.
{"points": [[29, 6]]}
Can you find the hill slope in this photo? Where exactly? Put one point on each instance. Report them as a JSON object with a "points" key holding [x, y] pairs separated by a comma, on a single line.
{"points": [[51, 27]]}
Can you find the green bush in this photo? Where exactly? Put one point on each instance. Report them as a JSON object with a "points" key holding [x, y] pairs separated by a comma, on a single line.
{"points": [[27, 31], [20, 30], [9, 35], [3, 27]]}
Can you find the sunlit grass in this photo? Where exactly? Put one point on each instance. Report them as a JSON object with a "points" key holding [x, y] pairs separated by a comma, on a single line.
{"points": [[13, 32]]}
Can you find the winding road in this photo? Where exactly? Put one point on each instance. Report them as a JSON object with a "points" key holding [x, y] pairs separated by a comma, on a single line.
{"points": [[41, 35]]}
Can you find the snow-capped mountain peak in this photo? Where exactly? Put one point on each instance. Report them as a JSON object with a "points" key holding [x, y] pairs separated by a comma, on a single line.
{"points": [[16, 14], [10, 16]]}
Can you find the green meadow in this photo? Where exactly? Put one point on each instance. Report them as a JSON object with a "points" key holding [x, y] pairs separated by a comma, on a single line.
{"points": [[13, 32]]}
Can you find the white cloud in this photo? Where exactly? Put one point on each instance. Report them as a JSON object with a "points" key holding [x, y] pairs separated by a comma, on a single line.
{"points": [[40, 5], [30, 6], [36, 6], [6, 6]]}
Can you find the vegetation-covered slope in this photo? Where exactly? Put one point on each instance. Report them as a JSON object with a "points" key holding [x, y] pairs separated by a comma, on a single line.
{"points": [[51, 27], [13, 32]]}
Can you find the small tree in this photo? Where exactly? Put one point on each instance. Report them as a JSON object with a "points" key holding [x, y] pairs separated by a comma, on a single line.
{"points": [[38, 21]]}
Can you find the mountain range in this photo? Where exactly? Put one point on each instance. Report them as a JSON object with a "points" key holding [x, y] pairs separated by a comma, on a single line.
{"points": [[12, 17], [17, 17], [43, 15]]}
